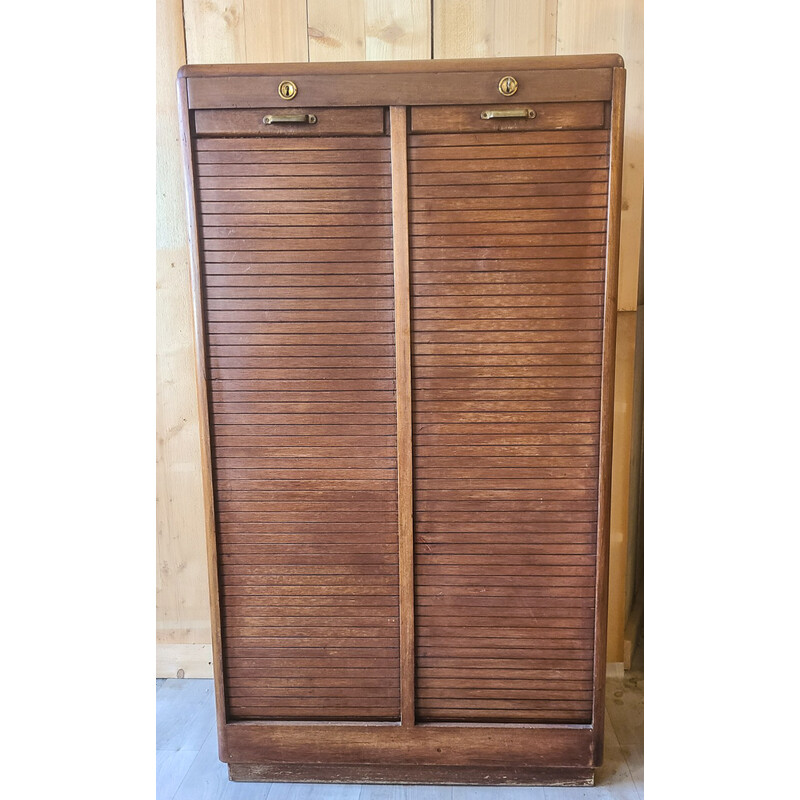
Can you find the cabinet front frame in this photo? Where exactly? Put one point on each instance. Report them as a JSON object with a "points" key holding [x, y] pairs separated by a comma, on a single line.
{"points": [[392, 751]]}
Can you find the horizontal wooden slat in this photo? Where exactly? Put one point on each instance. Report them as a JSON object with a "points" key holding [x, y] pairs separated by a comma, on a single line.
{"points": [[297, 247], [335, 183], [287, 174], [507, 209], [507, 235], [548, 116], [492, 140], [595, 146], [545, 250], [290, 257], [364, 235], [343, 144], [504, 225], [504, 178], [490, 163], [247, 154], [561, 194], [258, 206], [249, 122]]}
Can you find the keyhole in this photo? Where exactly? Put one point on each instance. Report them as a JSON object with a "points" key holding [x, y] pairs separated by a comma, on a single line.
{"points": [[287, 90], [507, 85]]}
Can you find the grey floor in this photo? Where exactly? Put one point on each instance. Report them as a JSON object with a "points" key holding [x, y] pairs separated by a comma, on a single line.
{"points": [[187, 767]]}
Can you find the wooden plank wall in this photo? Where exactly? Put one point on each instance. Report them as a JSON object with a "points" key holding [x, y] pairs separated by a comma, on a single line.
{"points": [[235, 31]]}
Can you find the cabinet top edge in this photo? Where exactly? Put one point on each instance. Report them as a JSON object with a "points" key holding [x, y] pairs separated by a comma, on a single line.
{"points": [[603, 61]]}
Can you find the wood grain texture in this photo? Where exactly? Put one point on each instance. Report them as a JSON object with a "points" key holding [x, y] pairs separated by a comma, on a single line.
{"points": [[336, 31], [303, 440], [620, 482], [375, 30], [597, 26], [621, 775], [424, 774], [477, 494], [310, 593], [215, 31], [458, 745], [635, 567], [549, 116], [608, 386], [397, 29], [184, 660], [181, 595], [584, 62], [405, 486], [339, 121], [235, 32], [319, 85], [487, 28], [275, 32]]}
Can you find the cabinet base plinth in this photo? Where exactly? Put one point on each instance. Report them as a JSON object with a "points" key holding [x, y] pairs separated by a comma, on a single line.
{"points": [[423, 773]]}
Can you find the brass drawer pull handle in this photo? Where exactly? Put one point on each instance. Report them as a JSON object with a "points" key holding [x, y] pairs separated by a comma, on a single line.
{"points": [[272, 119], [506, 113]]}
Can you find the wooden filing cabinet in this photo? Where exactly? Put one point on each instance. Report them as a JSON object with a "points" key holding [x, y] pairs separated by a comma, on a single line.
{"points": [[405, 287]]}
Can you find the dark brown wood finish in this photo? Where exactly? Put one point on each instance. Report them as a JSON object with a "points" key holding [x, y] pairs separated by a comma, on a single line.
{"points": [[479, 619], [270, 428], [423, 773], [328, 122], [617, 109], [385, 87], [468, 473], [547, 116]]}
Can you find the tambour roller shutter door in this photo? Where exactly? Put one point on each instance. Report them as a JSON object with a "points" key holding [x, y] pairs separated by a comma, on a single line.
{"points": [[296, 244], [508, 235], [404, 286]]}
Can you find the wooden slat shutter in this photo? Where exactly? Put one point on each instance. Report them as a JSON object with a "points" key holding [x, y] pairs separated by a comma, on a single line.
{"points": [[296, 246], [508, 234]]}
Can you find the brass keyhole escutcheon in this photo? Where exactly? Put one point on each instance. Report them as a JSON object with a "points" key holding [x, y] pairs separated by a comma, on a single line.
{"points": [[508, 85], [287, 90]]}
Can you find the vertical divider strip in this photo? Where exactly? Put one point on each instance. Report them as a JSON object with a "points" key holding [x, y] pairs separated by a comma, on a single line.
{"points": [[402, 330]]}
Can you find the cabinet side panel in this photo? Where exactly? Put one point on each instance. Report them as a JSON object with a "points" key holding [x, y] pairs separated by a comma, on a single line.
{"points": [[296, 242], [508, 241]]}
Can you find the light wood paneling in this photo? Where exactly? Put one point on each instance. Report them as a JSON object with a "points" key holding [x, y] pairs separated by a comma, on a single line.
{"points": [[184, 660], [398, 29], [245, 31], [375, 30], [182, 586], [620, 482], [215, 31], [275, 31], [336, 30], [637, 433], [611, 26], [486, 28]]}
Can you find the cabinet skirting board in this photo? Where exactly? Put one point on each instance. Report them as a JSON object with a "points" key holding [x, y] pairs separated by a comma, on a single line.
{"points": [[419, 774], [405, 289]]}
